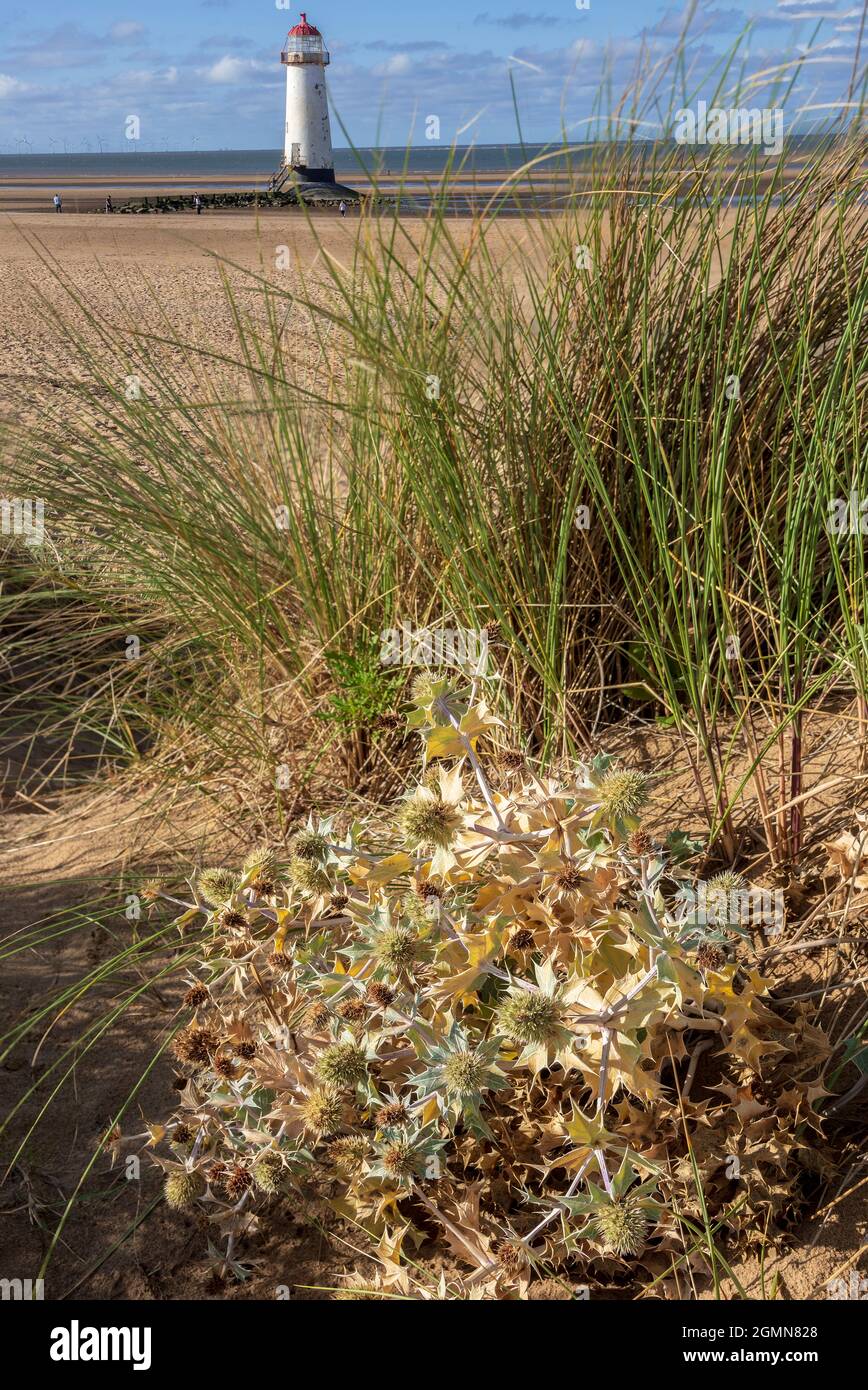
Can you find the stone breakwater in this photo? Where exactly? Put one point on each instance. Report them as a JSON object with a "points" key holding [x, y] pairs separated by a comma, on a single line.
{"points": [[290, 198]]}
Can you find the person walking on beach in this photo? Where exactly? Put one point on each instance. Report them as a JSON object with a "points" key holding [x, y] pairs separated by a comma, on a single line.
{"points": [[109, 206], [197, 204], [343, 208], [58, 203]]}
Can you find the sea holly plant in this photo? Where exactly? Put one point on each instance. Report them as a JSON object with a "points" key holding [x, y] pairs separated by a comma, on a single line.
{"points": [[619, 1217], [461, 1069], [487, 1001]]}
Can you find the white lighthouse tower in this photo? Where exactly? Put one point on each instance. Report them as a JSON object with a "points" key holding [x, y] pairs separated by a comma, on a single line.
{"points": [[307, 148]]}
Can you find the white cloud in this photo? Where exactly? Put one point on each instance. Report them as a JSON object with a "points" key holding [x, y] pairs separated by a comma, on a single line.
{"points": [[146, 77], [396, 66], [10, 85], [125, 30], [808, 9], [228, 69]]}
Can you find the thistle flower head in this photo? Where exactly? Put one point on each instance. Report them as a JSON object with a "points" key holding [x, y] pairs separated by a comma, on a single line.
{"points": [[380, 994], [268, 1172], [723, 898], [639, 843], [307, 875], [401, 1159], [317, 1016], [398, 947], [570, 879], [623, 793], [262, 864], [217, 886], [529, 1018], [348, 1154], [710, 957], [428, 822], [512, 760], [420, 911], [354, 1010], [344, 1065], [511, 1256], [182, 1189], [310, 846], [726, 882], [238, 1181], [196, 996], [522, 940], [195, 1044], [323, 1111], [427, 688], [393, 1115], [464, 1073], [233, 920], [623, 1227]]}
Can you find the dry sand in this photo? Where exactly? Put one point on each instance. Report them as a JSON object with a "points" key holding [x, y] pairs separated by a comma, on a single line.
{"points": [[163, 274]]}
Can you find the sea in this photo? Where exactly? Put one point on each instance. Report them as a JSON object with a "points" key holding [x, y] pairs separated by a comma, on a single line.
{"points": [[249, 168], [242, 168]]}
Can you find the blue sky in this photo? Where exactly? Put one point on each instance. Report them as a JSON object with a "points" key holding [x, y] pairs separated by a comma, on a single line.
{"points": [[205, 74]]}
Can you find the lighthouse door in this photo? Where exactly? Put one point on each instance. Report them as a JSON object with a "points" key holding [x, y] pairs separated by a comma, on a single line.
{"points": [[295, 153]]}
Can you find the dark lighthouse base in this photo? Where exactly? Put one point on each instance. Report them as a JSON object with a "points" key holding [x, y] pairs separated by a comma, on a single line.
{"points": [[305, 175], [310, 185]]}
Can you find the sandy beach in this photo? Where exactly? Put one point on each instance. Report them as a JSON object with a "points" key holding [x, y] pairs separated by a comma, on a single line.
{"points": [[165, 278], [163, 273]]}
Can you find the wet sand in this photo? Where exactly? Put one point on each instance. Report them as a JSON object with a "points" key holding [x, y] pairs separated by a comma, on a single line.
{"points": [[86, 193], [553, 187]]}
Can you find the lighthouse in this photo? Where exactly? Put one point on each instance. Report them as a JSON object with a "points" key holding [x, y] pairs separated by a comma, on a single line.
{"points": [[307, 147]]}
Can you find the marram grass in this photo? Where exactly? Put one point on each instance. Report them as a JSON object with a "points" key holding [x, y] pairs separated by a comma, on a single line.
{"points": [[627, 467]]}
